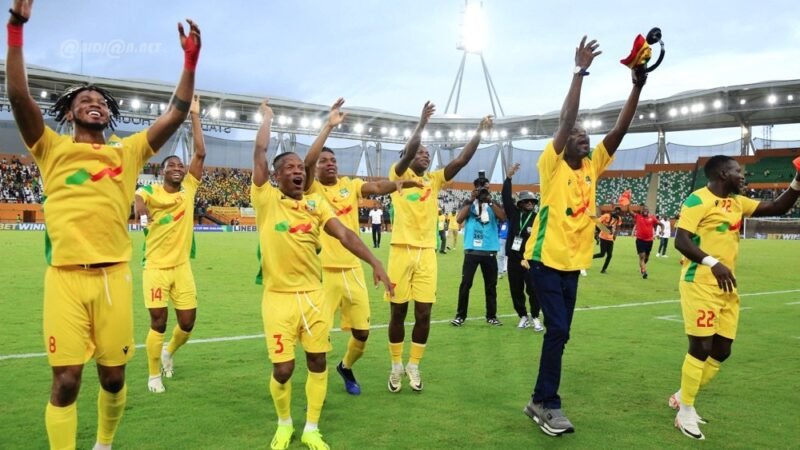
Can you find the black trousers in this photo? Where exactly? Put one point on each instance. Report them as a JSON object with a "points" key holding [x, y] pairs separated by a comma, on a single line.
{"points": [[442, 240], [488, 264], [376, 235], [519, 284], [606, 249], [662, 246]]}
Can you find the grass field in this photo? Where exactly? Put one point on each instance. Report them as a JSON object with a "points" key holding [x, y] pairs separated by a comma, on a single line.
{"points": [[621, 364]]}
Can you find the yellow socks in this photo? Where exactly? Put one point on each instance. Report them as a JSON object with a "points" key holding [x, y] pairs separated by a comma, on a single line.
{"points": [[281, 397], [109, 413], [154, 343], [62, 425], [316, 390], [355, 349], [710, 370], [179, 337], [396, 350], [417, 350], [691, 375]]}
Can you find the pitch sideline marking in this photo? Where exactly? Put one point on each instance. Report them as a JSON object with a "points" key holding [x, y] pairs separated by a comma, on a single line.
{"points": [[380, 326]]}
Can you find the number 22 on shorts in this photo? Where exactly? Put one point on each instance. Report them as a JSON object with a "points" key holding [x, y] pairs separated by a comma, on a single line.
{"points": [[705, 318]]}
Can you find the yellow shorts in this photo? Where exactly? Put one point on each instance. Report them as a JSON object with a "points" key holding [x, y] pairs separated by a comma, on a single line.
{"points": [[708, 310], [413, 271], [88, 312], [176, 283], [288, 316], [346, 289]]}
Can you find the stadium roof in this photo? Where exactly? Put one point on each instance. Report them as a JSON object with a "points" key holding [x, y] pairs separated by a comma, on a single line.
{"points": [[765, 103]]}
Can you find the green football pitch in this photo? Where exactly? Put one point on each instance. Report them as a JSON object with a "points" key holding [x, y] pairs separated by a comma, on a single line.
{"points": [[620, 366]]}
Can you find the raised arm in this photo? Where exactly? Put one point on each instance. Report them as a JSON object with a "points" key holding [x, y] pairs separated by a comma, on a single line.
{"points": [[260, 163], [140, 210], [26, 112], [614, 137], [783, 203], [166, 125], [584, 55], [412, 146], [505, 193], [356, 246], [458, 163], [199, 156], [387, 187], [335, 117]]}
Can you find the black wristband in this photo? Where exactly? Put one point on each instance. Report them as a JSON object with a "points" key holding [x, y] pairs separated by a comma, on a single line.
{"points": [[180, 105], [19, 17]]}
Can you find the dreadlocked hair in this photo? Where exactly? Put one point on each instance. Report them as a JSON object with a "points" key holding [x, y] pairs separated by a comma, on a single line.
{"points": [[61, 107]]}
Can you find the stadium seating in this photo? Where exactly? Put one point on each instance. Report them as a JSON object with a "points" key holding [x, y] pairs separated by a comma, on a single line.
{"points": [[673, 188], [771, 170], [610, 188]]}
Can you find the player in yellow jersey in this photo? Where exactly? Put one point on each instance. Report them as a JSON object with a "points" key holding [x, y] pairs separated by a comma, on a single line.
{"points": [[412, 255], [343, 277], [561, 241], [167, 213], [708, 236], [89, 182], [290, 226], [452, 231]]}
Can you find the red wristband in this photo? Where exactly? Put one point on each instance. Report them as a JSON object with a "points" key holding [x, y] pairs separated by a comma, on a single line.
{"points": [[191, 53], [14, 35]]}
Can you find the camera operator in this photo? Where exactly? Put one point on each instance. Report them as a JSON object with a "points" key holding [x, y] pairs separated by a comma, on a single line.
{"points": [[480, 217]]}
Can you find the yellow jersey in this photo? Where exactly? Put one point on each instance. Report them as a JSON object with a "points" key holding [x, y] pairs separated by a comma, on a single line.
{"points": [[715, 223], [416, 210], [169, 237], [343, 198], [442, 221], [453, 222], [289, 238], [89, 189], [563, 231]]}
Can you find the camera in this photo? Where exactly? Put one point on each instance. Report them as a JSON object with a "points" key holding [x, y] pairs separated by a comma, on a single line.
{"points": [[482, 185]]}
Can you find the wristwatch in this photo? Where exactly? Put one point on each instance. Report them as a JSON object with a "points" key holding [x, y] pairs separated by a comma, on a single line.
{"points": [[578, 70]]}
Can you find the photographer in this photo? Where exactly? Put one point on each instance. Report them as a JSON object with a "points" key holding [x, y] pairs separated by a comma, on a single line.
{"points": [[520, 220], [480, 218]]}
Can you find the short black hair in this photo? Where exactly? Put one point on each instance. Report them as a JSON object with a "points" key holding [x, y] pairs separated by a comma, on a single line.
{"points": [[327, 149], [164, 161], [61, 107], [714, 165], [279, 158]]}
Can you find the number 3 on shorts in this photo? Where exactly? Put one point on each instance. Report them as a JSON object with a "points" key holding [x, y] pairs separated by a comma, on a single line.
{"points": [[705, 319], [278, 342]]}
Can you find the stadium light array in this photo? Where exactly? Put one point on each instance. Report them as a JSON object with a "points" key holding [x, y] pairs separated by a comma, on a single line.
{"points": [[523, 131], [495, 134], [503, 133], [135, 104], [393, 132], [652, 115], [229, 114], [684, 110], [44, 94], [459, 134], [162, 106], [673, 112], [425, 134], [438, 134], [451, 134], [717, 104], [742, 101], [698, 108], [305, 122], [484, 134], [790, 97], [258, 117], [358, 128], [214, 112], [406, 133], [772, 99], [384, 130], [281, 120], [316, 123], [641, 116]]}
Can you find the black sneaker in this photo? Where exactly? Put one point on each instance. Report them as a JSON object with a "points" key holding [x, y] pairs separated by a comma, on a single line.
{"points": [[350, 384], [457, 322], [494, 321]]}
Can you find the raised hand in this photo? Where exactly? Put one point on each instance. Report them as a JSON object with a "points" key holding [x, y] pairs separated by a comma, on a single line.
{"points": [[21, 8], [336, 116], [487, 123], [192, 40], [639, 76], [512, 170], [265, 111], [427, 112], [586, 52], [195, 108]]}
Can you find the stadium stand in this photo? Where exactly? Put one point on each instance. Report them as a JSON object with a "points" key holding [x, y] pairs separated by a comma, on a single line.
{"points": [[609, 189], [673, 188]]}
